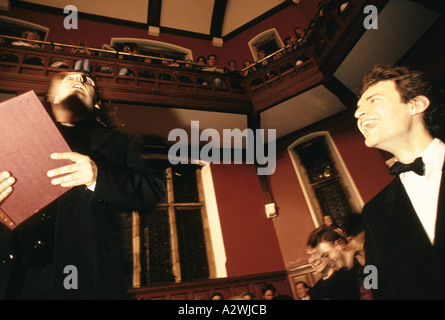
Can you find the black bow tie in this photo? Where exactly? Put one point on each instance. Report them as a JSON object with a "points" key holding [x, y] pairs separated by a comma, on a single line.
{"points": [[417, 166]]}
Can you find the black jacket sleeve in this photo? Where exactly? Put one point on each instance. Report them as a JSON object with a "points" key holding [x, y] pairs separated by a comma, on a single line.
{"points": [[124, 178]]}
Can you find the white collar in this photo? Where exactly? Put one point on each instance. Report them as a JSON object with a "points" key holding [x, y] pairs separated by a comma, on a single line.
{"points": [[433, 155]]}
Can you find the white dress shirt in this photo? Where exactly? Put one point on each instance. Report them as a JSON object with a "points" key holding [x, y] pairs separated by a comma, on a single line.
{"points": [[424, 190]]}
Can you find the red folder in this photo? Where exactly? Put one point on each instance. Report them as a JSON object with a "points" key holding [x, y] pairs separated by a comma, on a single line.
{"points": [[28, 136]]}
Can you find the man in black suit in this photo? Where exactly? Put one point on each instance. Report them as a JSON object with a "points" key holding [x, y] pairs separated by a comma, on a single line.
{"points": [[400, 112], [71, 249]]}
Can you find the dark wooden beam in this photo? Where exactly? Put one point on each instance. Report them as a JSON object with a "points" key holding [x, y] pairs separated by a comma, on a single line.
{"points": [[219, 11], [154, 13]]}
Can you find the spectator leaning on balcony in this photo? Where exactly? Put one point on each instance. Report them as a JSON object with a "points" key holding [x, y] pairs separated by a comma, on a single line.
{"points": [[30, 35], [131, 49], [247, 64], [262, 55], [84, 64], [233, 71], [299, 37], [203, 62], [212, 67]]}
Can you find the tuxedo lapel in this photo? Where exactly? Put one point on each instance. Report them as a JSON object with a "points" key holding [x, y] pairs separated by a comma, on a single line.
{"points": [[440, 220], [438, 278], [406, 230]]}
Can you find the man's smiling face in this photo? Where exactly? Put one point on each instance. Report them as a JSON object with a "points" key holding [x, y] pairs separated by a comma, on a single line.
{"points": [[383, 118]]}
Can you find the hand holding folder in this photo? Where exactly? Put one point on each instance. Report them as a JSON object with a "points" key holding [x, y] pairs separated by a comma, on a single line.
{"points": [[28, 137], [82, 172], [6, 182]]}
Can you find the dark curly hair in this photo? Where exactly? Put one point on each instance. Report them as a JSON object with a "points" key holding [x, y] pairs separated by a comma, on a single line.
{"points": [[321, 234], [410, 84]]}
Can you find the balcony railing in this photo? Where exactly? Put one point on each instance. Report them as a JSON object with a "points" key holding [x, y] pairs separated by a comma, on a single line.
{"points": [[182, 86]]}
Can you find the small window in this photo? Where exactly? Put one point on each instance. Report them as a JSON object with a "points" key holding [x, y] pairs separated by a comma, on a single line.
{"points": [[155, 48], [269, 41], [16, 27], [325, 180]]}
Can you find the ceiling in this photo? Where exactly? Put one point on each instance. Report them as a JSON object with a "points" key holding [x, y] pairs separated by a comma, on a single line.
{"points": [[213, 18], [400, 24]]}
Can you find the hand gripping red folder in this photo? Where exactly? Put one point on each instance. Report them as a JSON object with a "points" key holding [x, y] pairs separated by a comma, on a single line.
{"points": [[28, 136]]}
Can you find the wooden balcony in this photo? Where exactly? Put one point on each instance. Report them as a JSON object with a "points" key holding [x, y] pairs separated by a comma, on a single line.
{"points": [[23, 69], [332, 36], [149, 84]]}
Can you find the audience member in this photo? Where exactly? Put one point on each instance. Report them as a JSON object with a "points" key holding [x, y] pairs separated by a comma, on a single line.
{"points": [[203, 62], [217, 296], [29, 35], [108, 48], [247, 296], [331, 245], [212, 67], [320, 266], [336, 283], [299, 37], [278, 54], [167, 76], [84, 64], [188, 64], [233, 71], [262, 55], [268, 291], [255, 82], [288, 44], [302, 289], [354, 233], [328, 221], [246, 64], [130, 49], [401, 112]]}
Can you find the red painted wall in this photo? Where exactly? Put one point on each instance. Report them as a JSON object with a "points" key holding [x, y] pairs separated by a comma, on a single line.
{"points": [[284, 21], [98, 33], [293, 223], [249, 236]]}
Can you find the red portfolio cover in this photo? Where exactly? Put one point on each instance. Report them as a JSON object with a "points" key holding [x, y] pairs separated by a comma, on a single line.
{"points": [[28, 136]]}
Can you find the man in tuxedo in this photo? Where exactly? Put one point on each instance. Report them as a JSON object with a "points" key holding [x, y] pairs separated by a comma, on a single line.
{"points": [[400, 111], [80, 232]]}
